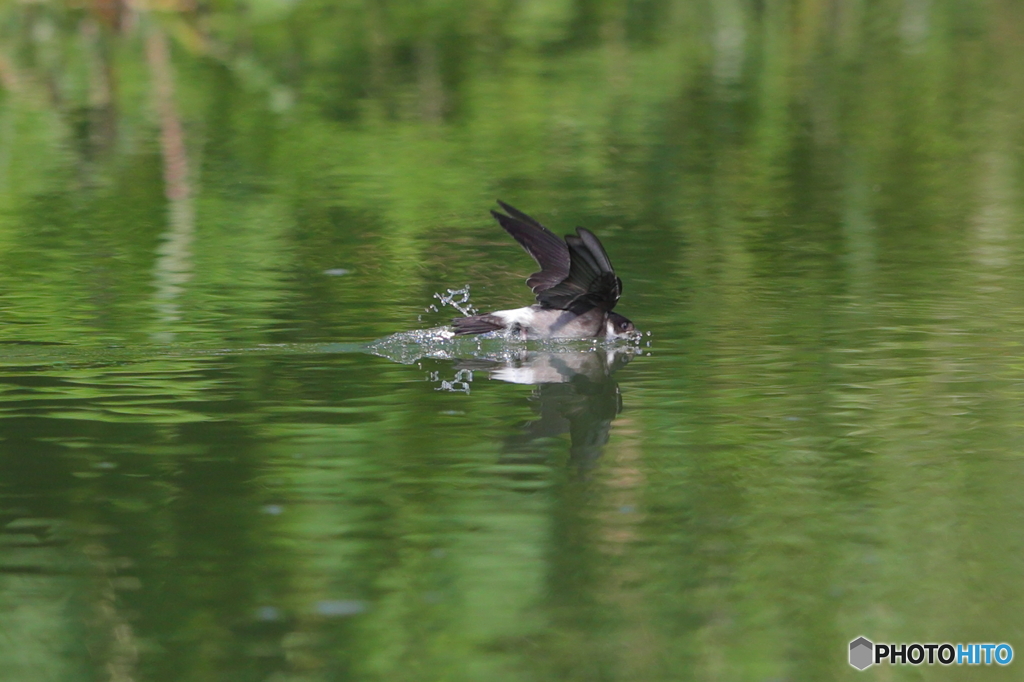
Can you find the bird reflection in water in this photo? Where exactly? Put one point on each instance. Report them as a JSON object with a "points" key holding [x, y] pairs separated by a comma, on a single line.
{"points": [[575, 392]]}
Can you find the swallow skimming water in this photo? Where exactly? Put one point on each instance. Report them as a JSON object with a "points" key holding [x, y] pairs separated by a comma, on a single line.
{"points": [[576, 287]]}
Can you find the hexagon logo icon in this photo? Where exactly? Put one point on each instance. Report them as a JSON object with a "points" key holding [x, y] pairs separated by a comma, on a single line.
{"points": [[861, 650]]}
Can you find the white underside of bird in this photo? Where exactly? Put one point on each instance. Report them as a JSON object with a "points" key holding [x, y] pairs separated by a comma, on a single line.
{"points": [[535, 322]]}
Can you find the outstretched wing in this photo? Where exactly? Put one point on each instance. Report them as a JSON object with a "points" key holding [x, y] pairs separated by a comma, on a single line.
{"points": [[550, 252], [591, 281]]}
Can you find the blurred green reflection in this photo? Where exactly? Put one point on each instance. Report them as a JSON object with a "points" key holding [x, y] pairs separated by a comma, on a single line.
{"points": [[205, 206]]}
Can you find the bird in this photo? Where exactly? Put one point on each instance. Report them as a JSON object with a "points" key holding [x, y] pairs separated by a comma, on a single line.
{"points": [[576, 287]]}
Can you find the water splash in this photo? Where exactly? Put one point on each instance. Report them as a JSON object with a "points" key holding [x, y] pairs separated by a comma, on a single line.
{"points": [[441, 343], [408, 347], [460, 384], [458, 299]]}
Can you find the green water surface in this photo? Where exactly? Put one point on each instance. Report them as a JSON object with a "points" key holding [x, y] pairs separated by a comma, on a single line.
{"points": [[208, 209]]}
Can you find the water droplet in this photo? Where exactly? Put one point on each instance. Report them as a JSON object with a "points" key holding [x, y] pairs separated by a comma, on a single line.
{"points": [[458, 299]]}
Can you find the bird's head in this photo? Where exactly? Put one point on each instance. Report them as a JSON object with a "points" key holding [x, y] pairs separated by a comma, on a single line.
{"points": [[617, 325]]}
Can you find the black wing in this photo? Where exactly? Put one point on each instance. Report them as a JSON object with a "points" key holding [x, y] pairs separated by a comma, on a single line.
{"points": [[550, 252], [591, 281]]}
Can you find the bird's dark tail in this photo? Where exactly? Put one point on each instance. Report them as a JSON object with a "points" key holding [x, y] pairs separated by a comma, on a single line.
{"points": [[477, 324]]}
